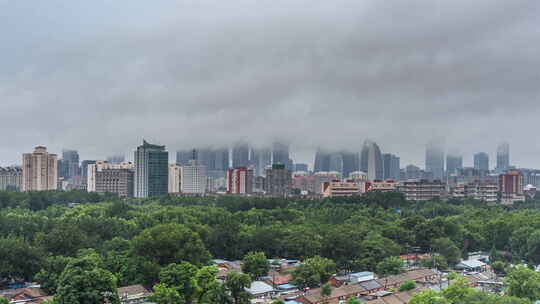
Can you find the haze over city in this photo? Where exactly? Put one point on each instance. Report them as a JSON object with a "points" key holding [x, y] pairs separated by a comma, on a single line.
{"points": [[102, 75]]}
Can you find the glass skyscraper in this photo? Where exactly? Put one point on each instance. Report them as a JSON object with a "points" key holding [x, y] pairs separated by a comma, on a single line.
{"points": [[151, 170]]}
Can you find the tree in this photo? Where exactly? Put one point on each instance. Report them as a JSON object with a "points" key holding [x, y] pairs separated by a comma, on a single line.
{"points": [[166, 295], [457, 291], [83, 281], [236, 284], [407, 285], [499, 267], [523, 283], [182, 278], [278, 301], [326, 292], [390, 266], [352, 300], [428, 297], [256, 265], [206, 282], [494, 255], [64, 239], [438, 262], [533, 248], [19, 260], [313, 272], [3, 300], [170, 243], [50, 273], [449, 250]]}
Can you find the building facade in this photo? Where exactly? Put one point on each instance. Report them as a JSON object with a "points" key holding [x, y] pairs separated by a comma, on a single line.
{"points": [[40, 170], [391, 167], [422, 190], [240, 154], [151, 170], [435, 159], [240, 180], [322, 161], [503, 157], [371, 160], [11, 178], [485, 191], [70, 161], [481, 161], [342, 188], [278, 180], [104, 177], [261, 158], [453, 163], [511, 187], [351, 163], [175, 178], [193, 179]]}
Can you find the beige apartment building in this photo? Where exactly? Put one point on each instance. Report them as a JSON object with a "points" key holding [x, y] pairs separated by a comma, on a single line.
{"points": [[40, 170], [104, 177]]}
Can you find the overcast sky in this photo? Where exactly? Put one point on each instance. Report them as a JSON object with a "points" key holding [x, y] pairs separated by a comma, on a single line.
{"points": [[100, 75]]}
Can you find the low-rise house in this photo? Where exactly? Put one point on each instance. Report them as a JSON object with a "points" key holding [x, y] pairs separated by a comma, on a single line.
{"points": [[352, 278], [24, 295], [393, 298], [419, 275], [260, 289], [472, 265], [370, 289], [134, 294]]}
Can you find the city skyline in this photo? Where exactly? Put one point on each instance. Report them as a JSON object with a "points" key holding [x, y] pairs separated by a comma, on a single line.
{"points": [[163, 72], [307, 157]]}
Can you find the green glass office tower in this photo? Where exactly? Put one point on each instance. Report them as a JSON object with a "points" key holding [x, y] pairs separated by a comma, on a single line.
{"points": [[151, 170]]}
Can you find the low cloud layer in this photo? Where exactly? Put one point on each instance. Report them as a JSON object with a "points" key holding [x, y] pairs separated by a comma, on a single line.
{"points": [[101, 75]]}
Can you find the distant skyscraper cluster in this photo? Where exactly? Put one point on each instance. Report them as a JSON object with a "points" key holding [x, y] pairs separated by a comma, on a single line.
{"points": [[270, 170]]}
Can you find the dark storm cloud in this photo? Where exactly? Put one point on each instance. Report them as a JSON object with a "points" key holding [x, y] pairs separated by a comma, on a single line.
{"points": [[101, 75]]}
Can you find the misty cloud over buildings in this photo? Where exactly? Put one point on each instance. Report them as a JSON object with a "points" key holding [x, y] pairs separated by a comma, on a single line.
{"points": [[101, 75]]}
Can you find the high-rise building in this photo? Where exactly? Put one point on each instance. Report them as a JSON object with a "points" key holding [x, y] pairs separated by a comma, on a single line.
{"points": [[481, 161], [116, 159], [240, 155], [261, 158], [240, 180], [435, 159], [453, 163], [322, 161], [301, 167], [151, 170], [104, 177], [70, 159], [11, 178], [175, 178], [351, 163], [511, 186], [280, 153], [371, 160], [84, 173], [222, 159], [503, 157], [40, 170], [278, 180], [193, 178], [336, 162], [391, 166], [184, 157]]}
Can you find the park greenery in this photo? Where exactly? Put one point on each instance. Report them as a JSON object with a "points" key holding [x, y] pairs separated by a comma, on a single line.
{"points": [[55, 238]]}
